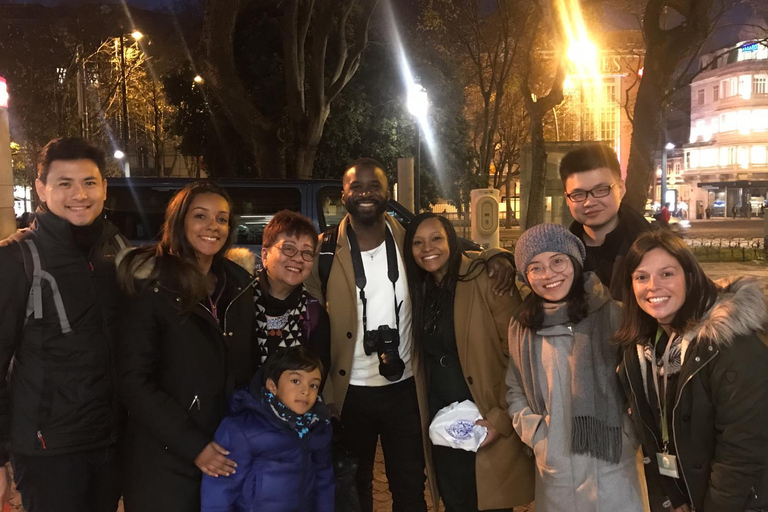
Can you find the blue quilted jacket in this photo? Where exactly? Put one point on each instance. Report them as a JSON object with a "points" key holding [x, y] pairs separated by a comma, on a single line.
{"points": [[276, 470]]}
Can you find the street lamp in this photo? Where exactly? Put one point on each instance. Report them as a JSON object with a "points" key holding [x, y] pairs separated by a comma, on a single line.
{"points": [[418, 105], [198, 79], [667, 147], [120, 155]]}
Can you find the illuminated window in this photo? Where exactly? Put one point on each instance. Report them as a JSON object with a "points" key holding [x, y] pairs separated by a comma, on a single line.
{"points": [[759, 155], [745, 86], [700, 97], [716, 93], [729, 86], [715, 124], [728, 121], [61, 75], [708, 158], [743, 157], [727, 156], [745, 121], [760, 119], [760, 85]]}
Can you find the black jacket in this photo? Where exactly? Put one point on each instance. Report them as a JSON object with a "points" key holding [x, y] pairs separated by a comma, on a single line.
{"points": [[178, 371], [60, 396], [720, 414], [631, 225]]}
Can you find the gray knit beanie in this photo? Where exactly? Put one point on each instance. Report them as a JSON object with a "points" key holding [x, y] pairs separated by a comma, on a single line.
{"points": [[546, 238]]}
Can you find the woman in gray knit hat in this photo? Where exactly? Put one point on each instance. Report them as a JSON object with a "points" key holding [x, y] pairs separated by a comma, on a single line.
{"points": [[564, 396]]}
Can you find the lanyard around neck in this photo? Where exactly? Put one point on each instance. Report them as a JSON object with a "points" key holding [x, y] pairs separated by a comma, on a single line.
{"points": [[662, 397], [360, 280]]}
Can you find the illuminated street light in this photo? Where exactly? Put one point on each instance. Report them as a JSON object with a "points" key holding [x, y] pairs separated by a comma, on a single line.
{"points": [[669, 146], [7, 216], [418, 106], [198, 79], [137, 35], [583, 53], [119, 155], [3, 93]]}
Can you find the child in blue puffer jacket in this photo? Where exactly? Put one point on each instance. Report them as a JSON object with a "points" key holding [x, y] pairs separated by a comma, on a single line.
{"points": [[279, 435]]}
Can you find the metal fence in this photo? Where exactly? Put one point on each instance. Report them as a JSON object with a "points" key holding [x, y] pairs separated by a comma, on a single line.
{"points": [[711, 248]]}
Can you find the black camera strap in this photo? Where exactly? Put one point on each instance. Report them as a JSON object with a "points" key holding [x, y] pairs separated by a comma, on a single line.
{"points": [[360, 280]]}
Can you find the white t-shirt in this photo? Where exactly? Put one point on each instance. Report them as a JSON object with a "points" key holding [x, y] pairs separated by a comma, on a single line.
{"points": [[381, 311]]}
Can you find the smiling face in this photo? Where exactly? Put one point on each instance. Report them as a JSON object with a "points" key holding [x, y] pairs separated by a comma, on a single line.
{"points": [[550, 275], [365, 193], [288, 271], [74, 190], [430, 248], [297, 389], [659, 285], [206, 226], [595, 213]]}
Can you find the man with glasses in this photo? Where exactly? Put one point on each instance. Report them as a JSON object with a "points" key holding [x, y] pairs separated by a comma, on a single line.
{"points": [[593, 191]]}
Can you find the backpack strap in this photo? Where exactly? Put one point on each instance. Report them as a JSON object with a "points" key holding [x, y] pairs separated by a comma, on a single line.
{"points": [[37, 275], [313, 316], [327, 252]]}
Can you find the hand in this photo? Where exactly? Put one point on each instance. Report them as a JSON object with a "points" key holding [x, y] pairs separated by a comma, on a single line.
{"points": [[492, 432], [5, 483], [682, 508], [213, 461], [500, 267]]}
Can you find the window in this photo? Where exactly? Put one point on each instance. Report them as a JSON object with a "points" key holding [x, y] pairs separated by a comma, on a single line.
{"points": [[759, 155], [743, 157], [61, 75], [729, 87], [715, 93], [728, 121], [745, 121], [760, 119], [745, 86], [708, 157], [760, 85], [700, 97], [715, 124], [727, 156]]}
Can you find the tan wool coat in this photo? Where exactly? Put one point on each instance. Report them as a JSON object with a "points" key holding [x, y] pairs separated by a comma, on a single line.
{"points": [[505, 472]]}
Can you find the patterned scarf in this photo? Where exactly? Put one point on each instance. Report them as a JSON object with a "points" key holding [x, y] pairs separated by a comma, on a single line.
{"points": [[284, 331], [299, 423]]}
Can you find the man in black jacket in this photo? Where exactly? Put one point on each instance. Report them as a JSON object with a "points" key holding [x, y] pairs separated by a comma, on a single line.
{"points": [[593, 191], [60, 417]]}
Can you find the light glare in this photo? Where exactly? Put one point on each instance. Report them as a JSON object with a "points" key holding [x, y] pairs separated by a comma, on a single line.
{"points": [[119, 155]]}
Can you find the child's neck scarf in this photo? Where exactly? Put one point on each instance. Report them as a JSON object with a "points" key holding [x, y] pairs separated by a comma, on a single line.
{"points": [[299, 423]]}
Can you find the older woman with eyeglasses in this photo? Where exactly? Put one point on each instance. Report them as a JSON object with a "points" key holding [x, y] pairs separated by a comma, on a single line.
{"points": [[286, 315]]}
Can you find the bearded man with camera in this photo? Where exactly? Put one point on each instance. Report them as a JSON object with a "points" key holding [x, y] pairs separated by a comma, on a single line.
{"points": [[360, 274]]}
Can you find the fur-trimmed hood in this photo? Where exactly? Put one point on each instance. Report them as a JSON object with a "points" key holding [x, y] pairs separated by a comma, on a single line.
{"points": [[740, 309], [242, 256]]}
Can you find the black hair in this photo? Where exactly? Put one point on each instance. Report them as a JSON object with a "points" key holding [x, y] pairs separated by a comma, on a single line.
{"points": [[364, 162], [587, 158], [530, 314], [417, 276], [291, 359], [700, 291], [69, 148]]}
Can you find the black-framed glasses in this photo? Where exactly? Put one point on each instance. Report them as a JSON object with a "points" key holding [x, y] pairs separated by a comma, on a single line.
{"points": [[292, 250], [579, 196], [539, 270]]}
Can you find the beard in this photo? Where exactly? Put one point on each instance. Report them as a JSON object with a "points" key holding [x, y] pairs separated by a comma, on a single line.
{"points": [[365, 216]]}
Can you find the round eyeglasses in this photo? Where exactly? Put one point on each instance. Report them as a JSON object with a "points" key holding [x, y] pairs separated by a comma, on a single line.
{"points": [[292, 250], [539, 270], [579, 196]]}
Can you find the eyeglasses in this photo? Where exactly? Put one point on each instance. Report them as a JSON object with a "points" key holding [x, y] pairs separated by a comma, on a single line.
{"points": [[580, 196], [292, 250], [539, 270]]}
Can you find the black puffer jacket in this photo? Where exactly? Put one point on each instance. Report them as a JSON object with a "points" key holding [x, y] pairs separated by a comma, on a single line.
{"points": [[61, 394], [178, 370], [720, 415]]}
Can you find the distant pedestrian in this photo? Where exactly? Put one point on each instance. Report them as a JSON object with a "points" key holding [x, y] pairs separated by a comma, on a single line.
{"points": [[734, 211], [708, 212]]}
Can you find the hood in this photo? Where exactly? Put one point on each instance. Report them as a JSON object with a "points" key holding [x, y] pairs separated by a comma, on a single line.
{"points": [[740, 309], [242, 256]]}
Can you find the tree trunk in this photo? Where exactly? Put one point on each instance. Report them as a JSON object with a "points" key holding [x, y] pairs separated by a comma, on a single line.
{"points": [[305, 147], [509, 217]]}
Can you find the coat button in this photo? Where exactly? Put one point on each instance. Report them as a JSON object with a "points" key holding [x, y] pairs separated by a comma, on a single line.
{"points": [[156, 289], [711, 348], [349, 335], [469, 380], [178, 299], [697, 359], [342, 373]]}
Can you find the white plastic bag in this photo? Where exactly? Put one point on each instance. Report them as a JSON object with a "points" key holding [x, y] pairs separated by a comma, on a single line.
{"points": [[454, 427]]}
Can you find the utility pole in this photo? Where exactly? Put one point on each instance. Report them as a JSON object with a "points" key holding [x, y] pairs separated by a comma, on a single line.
{"points": [[7, 216]]}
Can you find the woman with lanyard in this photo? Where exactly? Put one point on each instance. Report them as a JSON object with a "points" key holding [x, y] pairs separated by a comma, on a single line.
{"points": [[286, 315], [460, 332], [696, 376], [183, 346]]}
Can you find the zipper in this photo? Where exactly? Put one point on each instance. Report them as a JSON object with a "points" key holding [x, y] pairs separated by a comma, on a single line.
{"points": [[629, 380], [41, 439], [195, 401], [226, 310], [674, 433]]}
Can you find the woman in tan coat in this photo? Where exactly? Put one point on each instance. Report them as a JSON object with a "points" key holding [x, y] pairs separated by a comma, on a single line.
{"points": [[460, 331]]}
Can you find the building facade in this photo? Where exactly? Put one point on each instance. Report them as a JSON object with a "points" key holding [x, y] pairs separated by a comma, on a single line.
{"points": [[725, 166]]}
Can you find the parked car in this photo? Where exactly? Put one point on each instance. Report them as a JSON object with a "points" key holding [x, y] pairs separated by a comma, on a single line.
{"points": [[675, 224], [137, 206]]}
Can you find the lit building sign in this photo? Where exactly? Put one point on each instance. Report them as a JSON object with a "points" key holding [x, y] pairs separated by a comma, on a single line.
{"points": [[3, 93], [749, 48]]}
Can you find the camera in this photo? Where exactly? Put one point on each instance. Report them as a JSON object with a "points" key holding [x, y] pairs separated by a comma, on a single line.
{"points": [[385, 341]]}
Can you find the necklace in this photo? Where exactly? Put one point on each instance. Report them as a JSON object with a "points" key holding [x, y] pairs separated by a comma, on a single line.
{"points": [[372, 252]]}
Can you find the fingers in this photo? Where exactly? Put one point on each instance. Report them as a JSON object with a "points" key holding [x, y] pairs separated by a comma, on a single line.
{"points": [[218, 466], [216, 446]]}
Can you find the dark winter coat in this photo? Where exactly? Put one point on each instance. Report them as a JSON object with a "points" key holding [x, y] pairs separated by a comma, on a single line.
{"points": [[178, 371], [631, 225], [61, 395], [720, 414], [276, 470]]}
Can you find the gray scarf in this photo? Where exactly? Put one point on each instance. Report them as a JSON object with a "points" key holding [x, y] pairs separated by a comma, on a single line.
{"points": [[595, 397]]}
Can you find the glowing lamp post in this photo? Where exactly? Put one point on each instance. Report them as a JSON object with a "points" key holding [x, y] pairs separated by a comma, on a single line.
{"points": [[667, 147], [418, 106], [7, 217], [119, 155]]}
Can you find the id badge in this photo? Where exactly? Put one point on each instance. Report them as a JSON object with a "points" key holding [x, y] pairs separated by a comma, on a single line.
{"points": [[667, 465]]}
